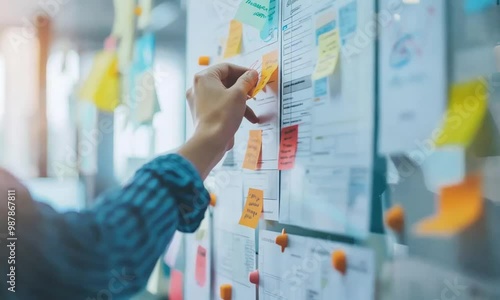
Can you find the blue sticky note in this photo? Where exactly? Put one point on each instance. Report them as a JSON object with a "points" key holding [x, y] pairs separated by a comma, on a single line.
{"points": [[324, 29], [348, 20], [321, 87], [476, 6]]}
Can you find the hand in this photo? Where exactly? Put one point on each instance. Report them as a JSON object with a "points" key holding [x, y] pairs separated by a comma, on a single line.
{"points": [[218, 105]]}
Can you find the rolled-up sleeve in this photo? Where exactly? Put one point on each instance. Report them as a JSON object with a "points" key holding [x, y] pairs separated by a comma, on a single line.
{"points": [[111, 249]]}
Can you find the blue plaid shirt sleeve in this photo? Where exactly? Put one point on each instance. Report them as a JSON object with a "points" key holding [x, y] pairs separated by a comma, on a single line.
{"points": [[109, 251]]}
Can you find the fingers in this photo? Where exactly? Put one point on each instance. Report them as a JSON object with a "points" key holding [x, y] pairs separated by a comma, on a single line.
{"points": [[227, 73], [250, 116], [246, 83]]}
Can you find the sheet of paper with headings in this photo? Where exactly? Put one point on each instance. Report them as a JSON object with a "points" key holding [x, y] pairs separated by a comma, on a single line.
{"points": [[229, 33], [413, 80], [234, 244], [329, 187], [198, 263], [305, 271]]}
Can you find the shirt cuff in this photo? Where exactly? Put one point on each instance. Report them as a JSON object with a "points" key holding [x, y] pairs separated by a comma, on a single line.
{"points": [[186, 186]]}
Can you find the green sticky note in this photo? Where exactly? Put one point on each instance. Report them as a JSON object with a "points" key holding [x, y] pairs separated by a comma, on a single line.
{"points": [[253, 12]]}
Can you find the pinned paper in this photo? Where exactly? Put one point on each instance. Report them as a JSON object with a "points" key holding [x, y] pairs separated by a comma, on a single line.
{"points": [[253, 12], [348, 19], [476, 6], [466, 110], [253, 208], [201, 266], [460, 206], [254, 150], [102, 85], [233, 45], [269, 67], [288, 147], [329, 49], [176, 285], [266, 34]]}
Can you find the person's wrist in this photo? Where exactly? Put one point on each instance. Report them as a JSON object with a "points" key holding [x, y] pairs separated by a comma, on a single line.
{"points": [[212, 134]]}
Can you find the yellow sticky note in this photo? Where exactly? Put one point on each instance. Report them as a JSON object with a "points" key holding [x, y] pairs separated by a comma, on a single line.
{"points": [[466, 110], [460, 206], [328, 56], [233, 44], [269, 67], [102, 85], [253, 208], [254, 150]]}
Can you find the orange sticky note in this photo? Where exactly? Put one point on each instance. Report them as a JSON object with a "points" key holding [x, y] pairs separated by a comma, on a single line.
{"points": [[233, 45], [253, 208], [288, 147], [269, 67], [254, 149], [201, 266], [459, 207]]}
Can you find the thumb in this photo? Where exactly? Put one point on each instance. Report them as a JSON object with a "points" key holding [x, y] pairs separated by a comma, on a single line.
{"points": [[246, 82]]}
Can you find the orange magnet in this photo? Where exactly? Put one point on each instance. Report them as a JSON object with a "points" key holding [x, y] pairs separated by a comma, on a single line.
{"points": [[339, 261], [213, 199], [204, 60], [282, 240], [395, 218], [226, 292], [138, 11], [253, 277]]}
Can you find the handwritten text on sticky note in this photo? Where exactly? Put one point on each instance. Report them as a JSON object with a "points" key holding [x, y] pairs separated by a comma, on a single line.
{"points": [[269, 67], [253, 208], [201, 266], [254, 149], [328, 55], [253, 12], [288, 147], [233, 45]]}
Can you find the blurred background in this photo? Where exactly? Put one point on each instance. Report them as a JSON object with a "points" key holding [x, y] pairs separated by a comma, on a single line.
{"points": [[47, 51], [68, 151]]}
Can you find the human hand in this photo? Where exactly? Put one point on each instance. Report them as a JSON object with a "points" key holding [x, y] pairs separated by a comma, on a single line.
{"points": [[218, 101], [218, 104]]}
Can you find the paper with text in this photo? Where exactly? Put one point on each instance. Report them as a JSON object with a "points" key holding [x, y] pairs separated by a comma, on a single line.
{"points": [[253, 12], [253, 208], [233, 44], [254, 150], [288, 147], [329, 50], [270, 63]]}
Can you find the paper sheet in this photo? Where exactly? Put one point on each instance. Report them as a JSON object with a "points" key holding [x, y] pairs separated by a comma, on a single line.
{"points": [[102, 84], [466, 110], [329, 50], [253, 12], [199, 284], [459, 207], [288, 147], [253, 208], [413, 80], [254, 150], [233, 46], [270, 63], [330, 186], [305, 271]]}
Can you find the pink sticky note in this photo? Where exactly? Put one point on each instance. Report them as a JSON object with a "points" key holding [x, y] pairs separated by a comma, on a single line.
{"points": [[201, 266], [175, 290]]}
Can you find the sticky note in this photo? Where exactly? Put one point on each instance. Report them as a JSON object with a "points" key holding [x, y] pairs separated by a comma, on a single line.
{"points": [[466, 110], [253, 208], [476, 6], [328, 56], [459, 207], [266, 34], [102, 84], [254, 150], [288, 147], [253, 12], [348, 19], [176, 284], [269, 67], [201, 266], [233, 44]]}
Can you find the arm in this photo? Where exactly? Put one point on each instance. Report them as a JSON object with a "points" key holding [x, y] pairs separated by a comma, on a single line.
{"points": [[110, 250]]}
